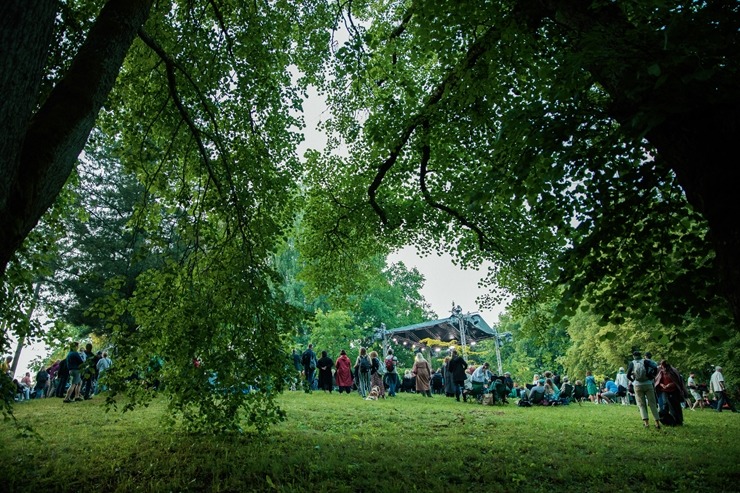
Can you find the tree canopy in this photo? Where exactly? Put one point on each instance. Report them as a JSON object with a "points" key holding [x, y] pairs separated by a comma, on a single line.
{"points": [[580, 147]]}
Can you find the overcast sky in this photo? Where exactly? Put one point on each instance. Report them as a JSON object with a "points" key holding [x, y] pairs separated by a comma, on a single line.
{"points": [[446, 282]]}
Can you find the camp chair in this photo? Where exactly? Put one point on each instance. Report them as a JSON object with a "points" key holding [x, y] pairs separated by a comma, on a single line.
{"points": [[567, 394], [477, 391]]}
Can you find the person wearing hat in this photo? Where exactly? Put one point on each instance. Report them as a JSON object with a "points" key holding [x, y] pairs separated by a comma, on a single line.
{"points": [[637, 373], [622, 383]]}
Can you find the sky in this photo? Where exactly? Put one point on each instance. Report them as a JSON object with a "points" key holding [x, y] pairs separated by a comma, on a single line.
{"points": [[447, 283]]}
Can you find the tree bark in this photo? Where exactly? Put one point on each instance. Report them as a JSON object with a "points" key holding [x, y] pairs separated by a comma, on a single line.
{"points": [[698, 128], [43, 147], [699, 147]]}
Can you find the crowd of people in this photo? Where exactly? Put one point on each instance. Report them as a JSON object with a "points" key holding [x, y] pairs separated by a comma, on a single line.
{"points": [[657, 389], [76, 377], [369, 374]]}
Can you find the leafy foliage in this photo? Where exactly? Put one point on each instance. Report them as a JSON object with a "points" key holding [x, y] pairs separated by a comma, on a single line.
{"points": [[534, 136]]}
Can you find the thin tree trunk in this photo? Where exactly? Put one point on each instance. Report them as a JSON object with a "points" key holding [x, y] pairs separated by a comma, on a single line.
{"points": [[22, 334]]}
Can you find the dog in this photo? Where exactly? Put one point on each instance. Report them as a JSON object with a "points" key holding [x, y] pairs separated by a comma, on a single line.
{"points": [[373, 395]]}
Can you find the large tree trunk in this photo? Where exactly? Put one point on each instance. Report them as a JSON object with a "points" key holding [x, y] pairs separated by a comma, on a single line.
{"points": [[700, 148], [699, 129], [39, 150]]}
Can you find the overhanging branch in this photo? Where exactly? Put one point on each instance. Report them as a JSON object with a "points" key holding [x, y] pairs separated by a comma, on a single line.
{"points": [[475, 51]]}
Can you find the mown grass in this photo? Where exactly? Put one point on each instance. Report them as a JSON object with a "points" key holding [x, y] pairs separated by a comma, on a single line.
{"points": [[339, 443]]}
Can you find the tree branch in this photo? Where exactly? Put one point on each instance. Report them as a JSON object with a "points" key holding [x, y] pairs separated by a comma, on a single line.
{"points": [[475, 51], [423, 168], [170, 66]]}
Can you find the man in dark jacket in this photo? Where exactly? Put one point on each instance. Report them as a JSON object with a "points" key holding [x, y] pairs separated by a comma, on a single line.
{"points": [[309, 366], [457, 367], [89, 371]]}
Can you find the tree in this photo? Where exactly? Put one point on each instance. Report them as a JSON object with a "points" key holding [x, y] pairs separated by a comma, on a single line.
{"points": [[43, 133], [105, 248], [539, 134], [201, 101]]}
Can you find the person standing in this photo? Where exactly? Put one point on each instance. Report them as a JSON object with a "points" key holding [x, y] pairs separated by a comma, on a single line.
{"points": [[363, 364], [42, 382], [74, 364], [591, 387], [457, 367], [308, 359], [62, 378], [447, 377], [423, 373], [89, 371], [344, 372], [623, 385], [391, 375], [376, 374], [670, 383], [102, 366], [717, 386], [695, 392], [642, 383], [325, 365]]}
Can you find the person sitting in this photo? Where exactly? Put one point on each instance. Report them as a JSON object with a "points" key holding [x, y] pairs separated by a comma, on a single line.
{"points": [[537, 393], [552, 392], [566, 391], [609, 393], [580, 392], [408, 384], [482, 374], [480, 378]]}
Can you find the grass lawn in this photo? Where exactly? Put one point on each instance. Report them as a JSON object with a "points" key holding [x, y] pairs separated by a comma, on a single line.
{"points": [[337, 443]]}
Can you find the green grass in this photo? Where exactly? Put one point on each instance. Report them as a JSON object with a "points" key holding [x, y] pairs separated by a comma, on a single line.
{"points": [[339, 443]]}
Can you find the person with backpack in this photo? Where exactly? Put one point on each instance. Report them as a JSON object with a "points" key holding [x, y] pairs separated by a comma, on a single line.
{"points": [[308, 359], [391, 375], [641, 373], [363, 364]]}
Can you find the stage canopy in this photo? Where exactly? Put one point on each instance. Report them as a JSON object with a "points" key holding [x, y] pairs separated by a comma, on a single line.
{"points": [[445, 329]]}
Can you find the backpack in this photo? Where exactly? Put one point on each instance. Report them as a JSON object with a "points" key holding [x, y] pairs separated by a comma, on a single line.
{"points": [[365, 364], [379, 369], [390, 366], [651, 369], [309, 360], [642, 370]]}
